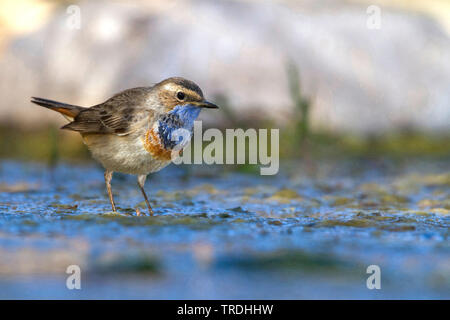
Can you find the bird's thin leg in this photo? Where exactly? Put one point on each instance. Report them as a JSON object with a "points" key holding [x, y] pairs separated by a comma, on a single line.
{"points": [[108, 177], [141, 182]]}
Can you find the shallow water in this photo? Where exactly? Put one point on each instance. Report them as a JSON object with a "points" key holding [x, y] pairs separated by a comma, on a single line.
{"points": [[304, 233]]}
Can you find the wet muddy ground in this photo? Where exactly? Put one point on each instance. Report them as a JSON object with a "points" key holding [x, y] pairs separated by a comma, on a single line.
{"points": [[223, 234]]}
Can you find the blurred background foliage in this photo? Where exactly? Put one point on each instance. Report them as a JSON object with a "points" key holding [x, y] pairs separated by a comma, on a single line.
{"points": [[311, 68]]}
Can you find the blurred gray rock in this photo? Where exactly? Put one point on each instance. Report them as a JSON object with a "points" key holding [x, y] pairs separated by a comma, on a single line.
{"points": [[359, 80]]}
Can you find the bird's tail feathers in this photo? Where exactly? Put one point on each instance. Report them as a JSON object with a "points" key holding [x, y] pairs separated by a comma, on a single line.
{"points": [[69, 111]]}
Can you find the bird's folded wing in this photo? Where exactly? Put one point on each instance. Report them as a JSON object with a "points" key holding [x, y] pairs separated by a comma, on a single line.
{"points": [[122, 114]]}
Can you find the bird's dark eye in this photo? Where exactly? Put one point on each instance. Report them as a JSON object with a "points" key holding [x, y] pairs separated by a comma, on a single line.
{"points": [[180, 95]]}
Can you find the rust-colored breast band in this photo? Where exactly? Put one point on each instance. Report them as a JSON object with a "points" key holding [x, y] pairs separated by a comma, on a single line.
{"points": [[153, 145]]}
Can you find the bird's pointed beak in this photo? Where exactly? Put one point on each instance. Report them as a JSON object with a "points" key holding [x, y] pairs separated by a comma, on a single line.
{"points": [[206, 104]]}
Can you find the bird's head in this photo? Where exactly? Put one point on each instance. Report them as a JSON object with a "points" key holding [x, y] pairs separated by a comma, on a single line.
{"points": [[178, 93]]}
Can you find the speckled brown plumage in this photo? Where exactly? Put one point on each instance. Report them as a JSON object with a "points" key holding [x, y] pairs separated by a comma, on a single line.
{"points": [[120, 114]]}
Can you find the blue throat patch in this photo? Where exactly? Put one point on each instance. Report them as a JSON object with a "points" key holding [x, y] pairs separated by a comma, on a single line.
{"points": [[182, 116]]}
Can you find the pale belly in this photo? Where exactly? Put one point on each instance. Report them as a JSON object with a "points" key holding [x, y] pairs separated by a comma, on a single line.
{"points": [[124, 154]]}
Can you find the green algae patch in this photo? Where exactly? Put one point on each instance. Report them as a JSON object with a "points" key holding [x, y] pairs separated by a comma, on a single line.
{"points": [[204, 189], [81, 217], [29, 222], [188, 195], [167, 220], [393, 199], [397, 228], [224, 215], [373, 189], [238, 210], [382, 218], [356, 223], [437, 180], [200, 221], [376, 216], [64, 206], [127, 263], [341, 201], [285, 196], [440, 211], [428, 203], [418, 212], [434, 203], [423, 180], [286, 260], [172, 196], [275, 222], [251, 191]]}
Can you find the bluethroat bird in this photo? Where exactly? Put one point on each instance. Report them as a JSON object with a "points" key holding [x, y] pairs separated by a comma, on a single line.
{"points": [[132, 131]]}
